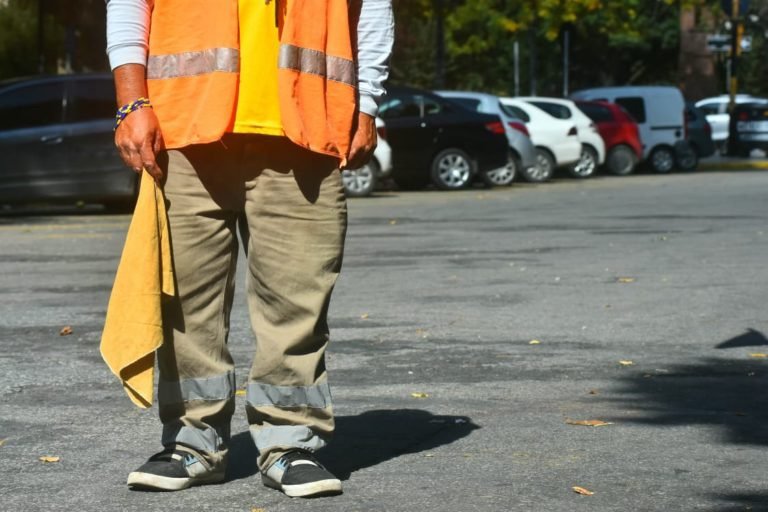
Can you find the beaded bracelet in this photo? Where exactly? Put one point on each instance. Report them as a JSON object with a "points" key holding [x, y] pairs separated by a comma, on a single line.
{"points": [[123, 111]]}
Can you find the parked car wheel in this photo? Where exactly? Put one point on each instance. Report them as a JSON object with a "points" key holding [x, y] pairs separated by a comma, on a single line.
{"points": [[545, 167], [587, 164], [452, 169], [662, 159], [621, 160], [360, 182], [688, 162], [503, 176]]}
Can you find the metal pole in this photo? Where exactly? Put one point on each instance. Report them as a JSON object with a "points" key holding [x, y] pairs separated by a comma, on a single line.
{"points": [[517, 68], [737, 30], [532, 60], [40, 36], [440, 52], [566, 61]]}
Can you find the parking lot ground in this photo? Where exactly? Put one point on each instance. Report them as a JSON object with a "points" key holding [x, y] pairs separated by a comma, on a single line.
{"points": [[471, 330]]}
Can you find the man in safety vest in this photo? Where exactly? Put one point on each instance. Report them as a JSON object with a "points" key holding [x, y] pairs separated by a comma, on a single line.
{"points": [[244, 111]]}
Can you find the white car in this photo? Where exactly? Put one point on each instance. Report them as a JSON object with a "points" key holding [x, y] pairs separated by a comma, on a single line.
{"points": [[716, 110], [556, 140], [592, 144], [361, 182]]}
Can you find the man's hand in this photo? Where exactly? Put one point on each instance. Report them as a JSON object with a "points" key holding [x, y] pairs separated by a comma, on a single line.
{"points": [[363, 142], [138, 138]]}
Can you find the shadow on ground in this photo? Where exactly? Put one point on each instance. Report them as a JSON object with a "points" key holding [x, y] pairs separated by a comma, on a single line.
{"points": [[753, 502], [727, 393], [366, 440]]}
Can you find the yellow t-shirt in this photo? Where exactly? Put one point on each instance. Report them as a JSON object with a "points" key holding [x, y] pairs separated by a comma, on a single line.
{"points": [[258, 110]]}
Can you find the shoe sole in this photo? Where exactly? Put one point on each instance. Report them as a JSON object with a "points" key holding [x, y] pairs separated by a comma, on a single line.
{"points": [[149, 482], [329, 487]]}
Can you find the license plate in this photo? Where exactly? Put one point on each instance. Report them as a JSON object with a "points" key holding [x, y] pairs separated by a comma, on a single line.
{"points": [[752, 126]]}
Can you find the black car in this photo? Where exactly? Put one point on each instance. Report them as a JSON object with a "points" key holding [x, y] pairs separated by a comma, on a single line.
{"points": [[699, 131], [434, 139], [57, 142], [748, 129]]}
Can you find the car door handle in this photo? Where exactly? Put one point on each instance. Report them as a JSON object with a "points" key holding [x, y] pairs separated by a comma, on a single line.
{"points": [[51, 139], [423, 124]]}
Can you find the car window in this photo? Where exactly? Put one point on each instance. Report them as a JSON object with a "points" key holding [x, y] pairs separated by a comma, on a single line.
{"points": [[513, 111], [432, 106], [91, 99], [553, 109], [468, 103], [635, 106], [31, 106], [710, 108], [597, 113], [401, 106]]}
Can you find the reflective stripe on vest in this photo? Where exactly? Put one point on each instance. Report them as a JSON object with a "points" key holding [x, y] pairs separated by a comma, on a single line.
{"points": [[306, 60], [212, 60]]}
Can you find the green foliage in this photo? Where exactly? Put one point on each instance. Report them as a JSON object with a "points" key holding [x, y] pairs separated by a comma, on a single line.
{"points": [[73, 34], [612, 42]]}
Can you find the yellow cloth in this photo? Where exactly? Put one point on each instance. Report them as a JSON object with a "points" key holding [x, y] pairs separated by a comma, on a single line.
{"points": [[258, 108], [133, 329]]}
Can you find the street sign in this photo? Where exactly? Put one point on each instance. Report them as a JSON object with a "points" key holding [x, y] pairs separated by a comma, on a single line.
{"points": [[727, 6], [721, 43]]}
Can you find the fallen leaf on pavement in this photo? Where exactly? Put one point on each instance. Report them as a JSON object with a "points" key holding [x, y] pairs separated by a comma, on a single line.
{"points": [[625, 280], [393, 222], [364, 316], [2, 442], [626, 362], [534, 342], [240, 392], [593, 392], [48, 458], [758, 356], [588, 423], [65, 331], [419, 394], [258, 509], [582, 491]]}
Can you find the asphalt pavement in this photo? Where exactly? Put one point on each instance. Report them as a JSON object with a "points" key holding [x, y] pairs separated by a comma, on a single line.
{"points": [[471, 330]]}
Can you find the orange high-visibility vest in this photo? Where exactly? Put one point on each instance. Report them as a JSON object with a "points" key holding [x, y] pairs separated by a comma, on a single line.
{"points": [[194, 61]]}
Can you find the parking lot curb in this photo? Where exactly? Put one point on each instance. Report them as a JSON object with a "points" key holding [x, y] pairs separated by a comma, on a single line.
{"points": [[733, 165]]}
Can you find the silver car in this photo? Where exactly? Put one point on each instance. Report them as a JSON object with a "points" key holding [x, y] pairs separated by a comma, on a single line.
{"points": [[523, 150], [57, 143]]}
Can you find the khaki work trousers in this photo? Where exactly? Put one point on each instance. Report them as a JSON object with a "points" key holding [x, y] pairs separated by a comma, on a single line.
{"points": [[288, 206]]}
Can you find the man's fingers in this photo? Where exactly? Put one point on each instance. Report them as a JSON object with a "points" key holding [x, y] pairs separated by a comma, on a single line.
{"points": [[148, 161], [131, 157]]}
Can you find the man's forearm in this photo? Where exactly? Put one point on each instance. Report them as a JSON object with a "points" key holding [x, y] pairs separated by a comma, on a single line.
{"points": [[130, 83]]}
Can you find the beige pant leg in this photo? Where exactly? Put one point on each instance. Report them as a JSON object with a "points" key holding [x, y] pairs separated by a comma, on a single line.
{"points": [[297, 217], [197, 380]]}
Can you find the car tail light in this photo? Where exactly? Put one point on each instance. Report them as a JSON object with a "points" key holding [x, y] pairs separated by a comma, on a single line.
{"points": [[382, 131], [573, 131], [743, 116], [520, 127], [495, 127]]}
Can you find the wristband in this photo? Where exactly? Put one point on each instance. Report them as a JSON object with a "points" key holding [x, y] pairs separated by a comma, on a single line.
{"points": [[123, 111]]}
